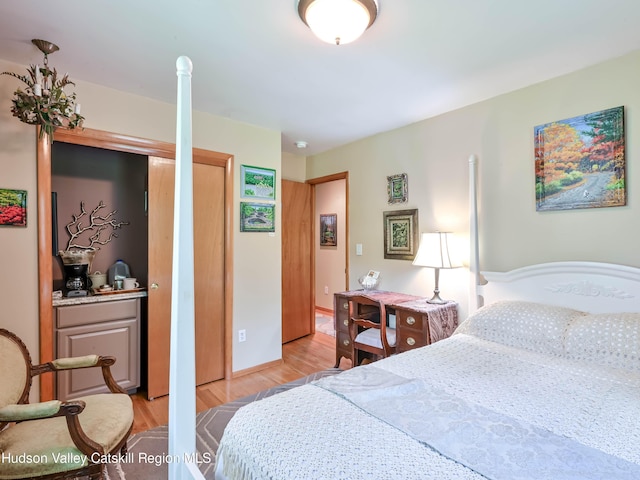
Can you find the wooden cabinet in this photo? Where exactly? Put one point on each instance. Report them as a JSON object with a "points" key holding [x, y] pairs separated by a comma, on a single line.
{"points": [[105, 328]]}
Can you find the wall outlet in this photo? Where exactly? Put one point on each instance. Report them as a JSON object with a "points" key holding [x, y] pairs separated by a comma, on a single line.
{"points": [[242, 335], [326, 290]]}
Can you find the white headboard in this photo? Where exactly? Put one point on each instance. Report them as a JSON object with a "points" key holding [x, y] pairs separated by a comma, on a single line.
{"points": [[588, 286]]}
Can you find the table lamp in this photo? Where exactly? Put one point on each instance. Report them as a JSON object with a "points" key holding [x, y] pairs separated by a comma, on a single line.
{"points": [[434, 253]]}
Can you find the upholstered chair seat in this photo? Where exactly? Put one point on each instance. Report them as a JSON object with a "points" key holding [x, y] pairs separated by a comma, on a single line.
{"points": [[368, 330], [371, 337]]}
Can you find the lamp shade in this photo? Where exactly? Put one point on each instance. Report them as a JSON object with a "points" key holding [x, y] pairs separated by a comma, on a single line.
{"points": [[338, 21], [434, 252]]}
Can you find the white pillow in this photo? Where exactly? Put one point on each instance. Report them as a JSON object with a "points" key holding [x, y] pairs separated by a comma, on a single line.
{"points": [[608, 339], [533, 326]]}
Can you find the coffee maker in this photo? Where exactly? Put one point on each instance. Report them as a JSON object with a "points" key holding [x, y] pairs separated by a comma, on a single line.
{"points": [[76, 280]]}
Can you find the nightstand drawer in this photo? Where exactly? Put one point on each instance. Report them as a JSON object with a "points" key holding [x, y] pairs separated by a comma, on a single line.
{"points": [[343, 343], [410, 339], [341, 312], [409, 320]]}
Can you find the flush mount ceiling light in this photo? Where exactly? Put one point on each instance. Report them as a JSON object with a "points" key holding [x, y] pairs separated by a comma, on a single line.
{"points": [[338, 21]]}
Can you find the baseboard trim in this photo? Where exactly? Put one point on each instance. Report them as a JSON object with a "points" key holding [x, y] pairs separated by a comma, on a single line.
{"points": [[325, 310], [256, 368]]}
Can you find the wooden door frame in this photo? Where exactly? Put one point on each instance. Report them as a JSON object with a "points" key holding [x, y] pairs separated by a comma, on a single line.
{"points": [[314, 234], [129, 144]]}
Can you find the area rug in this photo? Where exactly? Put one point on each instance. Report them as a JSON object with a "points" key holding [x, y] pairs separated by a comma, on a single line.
{"points": [[324, 324], [148, 457]]}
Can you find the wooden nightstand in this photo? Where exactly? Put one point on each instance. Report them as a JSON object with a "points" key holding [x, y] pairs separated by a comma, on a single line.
{"points": [[419, 323]]}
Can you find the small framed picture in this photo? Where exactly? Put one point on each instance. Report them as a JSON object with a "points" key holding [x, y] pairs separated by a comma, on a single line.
{"points": [[401, 234], [257, 217], [13, 207], [328, 230], [258, 183], [397, 188]]}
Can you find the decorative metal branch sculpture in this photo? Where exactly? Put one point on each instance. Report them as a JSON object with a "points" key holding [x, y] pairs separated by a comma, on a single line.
{"points": [[97, 224]]}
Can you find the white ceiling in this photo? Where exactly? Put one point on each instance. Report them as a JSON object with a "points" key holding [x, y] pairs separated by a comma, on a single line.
{"points": [[256, 62]]}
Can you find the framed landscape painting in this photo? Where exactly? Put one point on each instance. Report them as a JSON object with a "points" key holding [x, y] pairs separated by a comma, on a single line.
{"points": [[257, 217], [13, 207], [397, 188], [258, 183], [328, 230], [580, 162], [400, 234]]}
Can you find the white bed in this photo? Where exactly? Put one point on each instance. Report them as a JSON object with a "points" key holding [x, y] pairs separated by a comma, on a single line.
{"points": [[567, 380], [542, 381]]}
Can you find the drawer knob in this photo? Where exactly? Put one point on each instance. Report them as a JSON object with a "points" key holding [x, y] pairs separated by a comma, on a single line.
{"points": [[411, 320], [346, 322], [346, 343], [345, 305], [411, 341], [154, 286]]}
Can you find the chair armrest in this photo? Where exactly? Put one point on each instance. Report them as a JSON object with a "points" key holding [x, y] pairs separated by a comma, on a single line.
{"points": [[75, 362], [86, 361], [29, 411], [54, 408]]}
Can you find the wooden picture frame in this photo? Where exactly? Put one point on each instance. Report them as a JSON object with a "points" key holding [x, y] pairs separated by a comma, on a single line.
{"points": [[397, 188], [13, 208], [257, 182], [580, 162], [329, 230], [257, 217], [400, 234]]}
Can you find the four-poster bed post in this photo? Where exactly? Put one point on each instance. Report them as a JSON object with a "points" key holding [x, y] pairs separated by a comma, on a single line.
{"points": [[182, 370]]}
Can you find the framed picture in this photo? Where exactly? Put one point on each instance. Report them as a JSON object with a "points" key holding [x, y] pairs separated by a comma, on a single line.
{"points": [[257, 217], [401, 234], [329, 230], [13, 207], [580, 162], [397, 188], [259, 183]]}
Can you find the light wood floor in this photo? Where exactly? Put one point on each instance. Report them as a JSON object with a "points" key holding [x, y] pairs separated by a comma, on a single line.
{"points": [[301, 357]]}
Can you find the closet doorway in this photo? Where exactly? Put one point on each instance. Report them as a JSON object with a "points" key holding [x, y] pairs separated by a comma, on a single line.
{"points": [[123, 143]]}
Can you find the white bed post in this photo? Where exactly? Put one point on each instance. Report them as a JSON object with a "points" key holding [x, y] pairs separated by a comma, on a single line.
{"points": [[182, 371], [474, 256]]}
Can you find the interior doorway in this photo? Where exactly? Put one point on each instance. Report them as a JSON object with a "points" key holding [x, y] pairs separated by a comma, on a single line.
{"points": [[331, 240], [301, 230]]}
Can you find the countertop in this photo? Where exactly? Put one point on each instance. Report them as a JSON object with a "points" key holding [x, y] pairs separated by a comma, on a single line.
{"points": [[125, 295]]}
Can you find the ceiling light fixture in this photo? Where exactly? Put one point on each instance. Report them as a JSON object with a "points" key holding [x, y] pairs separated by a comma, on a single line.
{"points": [[44, 102], [338, 21], [301, 144]]}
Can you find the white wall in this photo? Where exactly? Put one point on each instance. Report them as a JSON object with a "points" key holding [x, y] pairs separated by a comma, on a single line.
{"points": [[434, 153], [330, 261], [294, 167], [114, 111]]}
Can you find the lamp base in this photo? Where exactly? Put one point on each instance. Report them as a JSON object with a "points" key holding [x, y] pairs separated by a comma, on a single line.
{"points": [[436, 296]]}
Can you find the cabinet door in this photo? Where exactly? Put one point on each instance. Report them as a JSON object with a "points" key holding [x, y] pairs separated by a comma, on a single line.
{"points": [[208, 187], [115, 338]]}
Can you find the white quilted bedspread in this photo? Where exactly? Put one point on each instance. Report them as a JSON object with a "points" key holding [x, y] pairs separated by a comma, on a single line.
{"points": [[311, 433]]}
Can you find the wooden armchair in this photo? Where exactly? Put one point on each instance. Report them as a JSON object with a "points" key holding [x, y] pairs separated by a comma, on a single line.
{"points": [[57, 439], [368, 329]]}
